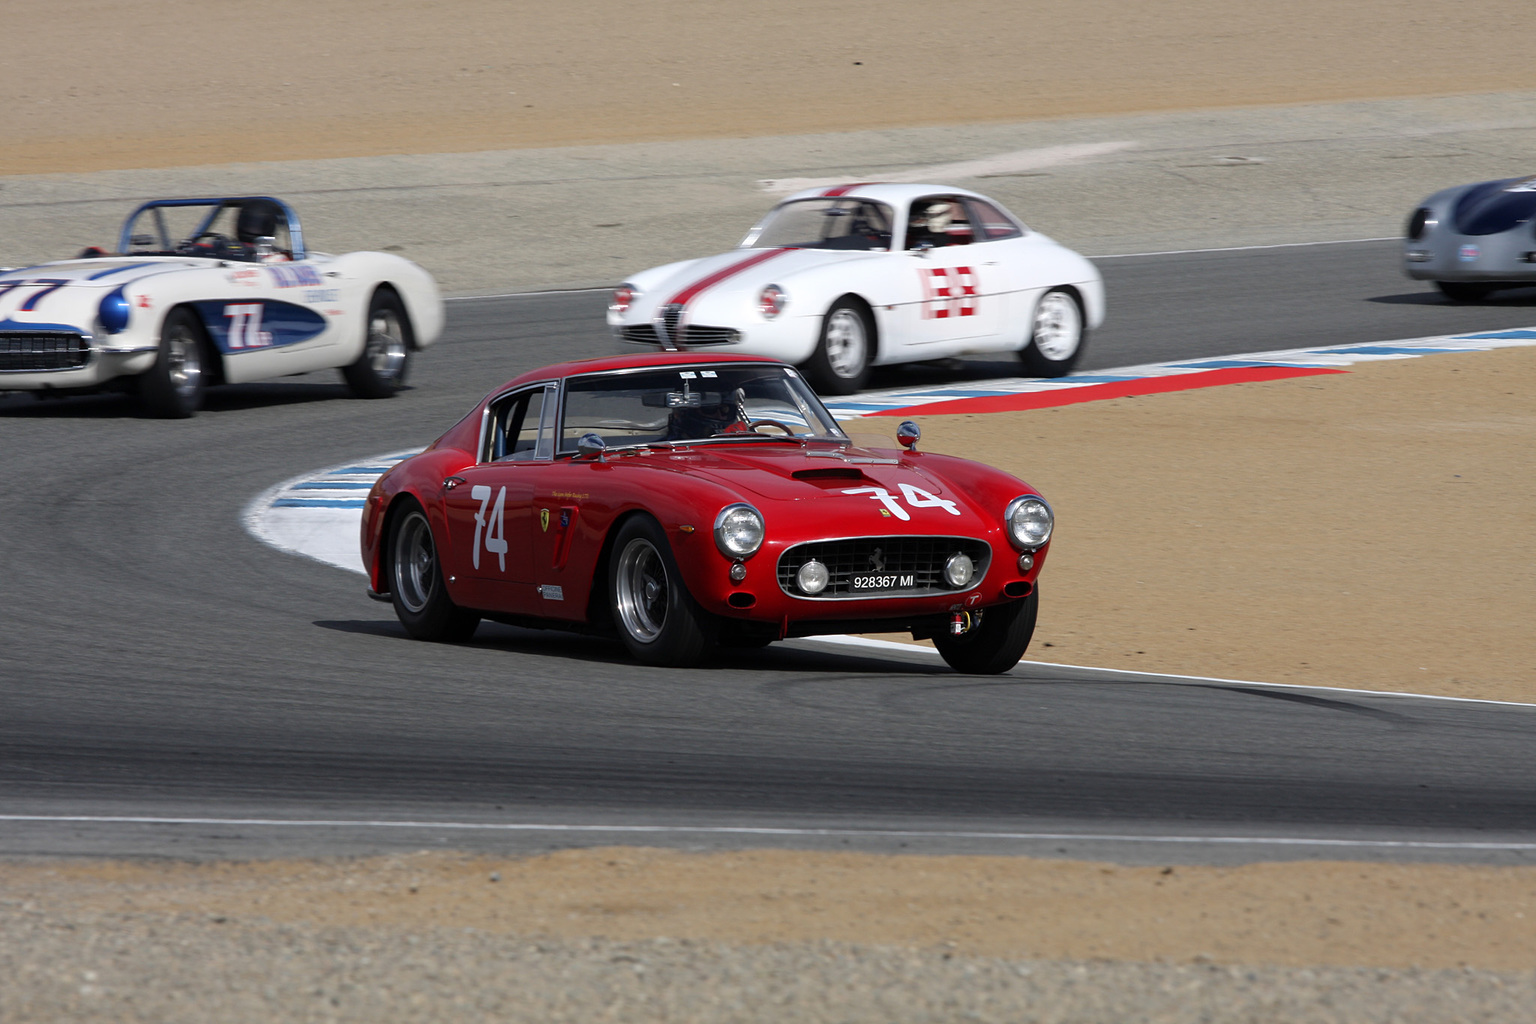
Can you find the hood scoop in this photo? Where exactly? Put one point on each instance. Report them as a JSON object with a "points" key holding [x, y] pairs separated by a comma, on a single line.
{"points": [[828, 474]]}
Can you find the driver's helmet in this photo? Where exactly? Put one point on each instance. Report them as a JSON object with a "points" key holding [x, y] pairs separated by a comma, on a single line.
{"points": [[938, 216], [258, 219], [692, 423]]}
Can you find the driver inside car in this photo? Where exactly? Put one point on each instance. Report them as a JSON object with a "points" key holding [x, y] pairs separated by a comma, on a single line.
{"points": [[695, 422]]}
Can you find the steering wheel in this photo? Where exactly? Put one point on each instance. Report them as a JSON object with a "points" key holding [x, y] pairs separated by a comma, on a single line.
{"points": [[218, 244], [754, 424]]}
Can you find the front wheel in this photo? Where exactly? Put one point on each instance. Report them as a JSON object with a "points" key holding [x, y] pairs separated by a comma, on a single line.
{"points": [[380, 371], [1056, 337], [416, 582], [840, 364], [1464, 291], [173, 387], [657, 618], [997, 642]]}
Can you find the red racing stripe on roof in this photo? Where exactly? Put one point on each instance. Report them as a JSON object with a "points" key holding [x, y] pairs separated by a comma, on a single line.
{"points": [[687, 295], [842, 190], [1117, 389]]}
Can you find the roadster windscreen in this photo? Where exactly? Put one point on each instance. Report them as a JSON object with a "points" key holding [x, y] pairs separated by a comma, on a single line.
{"points": [[722, 404], [826, 224]]}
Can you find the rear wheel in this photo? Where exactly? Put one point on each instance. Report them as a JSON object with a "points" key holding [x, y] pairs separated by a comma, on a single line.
{"points": [[416, 582], [1056, 336], [1465, 291], [380, 370], [656, 617], [840, 364], [997, 642], [173, 387]]}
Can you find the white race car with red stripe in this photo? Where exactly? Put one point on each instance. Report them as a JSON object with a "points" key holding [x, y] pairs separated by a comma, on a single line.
{"points": [[837, 280]]}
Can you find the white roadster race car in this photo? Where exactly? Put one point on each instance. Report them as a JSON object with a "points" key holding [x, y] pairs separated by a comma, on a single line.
{"points": [[836, 280], [211, 291]]}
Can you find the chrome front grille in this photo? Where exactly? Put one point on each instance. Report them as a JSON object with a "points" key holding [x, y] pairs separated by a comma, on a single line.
{"points": [[645, 334], [28, 351], [921, 557]]}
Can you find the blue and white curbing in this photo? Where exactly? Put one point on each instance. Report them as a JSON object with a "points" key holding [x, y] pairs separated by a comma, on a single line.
{"points": [[319, 514]]}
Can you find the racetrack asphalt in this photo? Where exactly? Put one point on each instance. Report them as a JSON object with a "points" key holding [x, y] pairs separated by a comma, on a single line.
{"points": [[159, 662]]}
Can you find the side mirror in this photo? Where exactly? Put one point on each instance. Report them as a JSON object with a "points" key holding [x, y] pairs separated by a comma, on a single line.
{"points": [[907, 435], [591, 446]]}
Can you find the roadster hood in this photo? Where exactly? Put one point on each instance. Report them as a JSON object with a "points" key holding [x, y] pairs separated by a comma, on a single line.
{"points": [[103, 273]]}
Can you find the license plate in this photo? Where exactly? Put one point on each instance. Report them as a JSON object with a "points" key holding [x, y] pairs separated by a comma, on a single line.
{"points": [[882, 581]]}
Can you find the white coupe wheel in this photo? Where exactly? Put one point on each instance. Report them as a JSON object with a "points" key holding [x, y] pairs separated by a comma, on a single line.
{"points": [[1056, 337], [840, 364]]}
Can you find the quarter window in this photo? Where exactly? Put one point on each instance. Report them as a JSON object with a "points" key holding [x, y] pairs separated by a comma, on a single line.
{"points": [[520, 428]]}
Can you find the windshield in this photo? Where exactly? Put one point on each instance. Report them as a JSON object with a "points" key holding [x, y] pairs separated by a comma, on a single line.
{"points": [[725, 403], [825, 224]]}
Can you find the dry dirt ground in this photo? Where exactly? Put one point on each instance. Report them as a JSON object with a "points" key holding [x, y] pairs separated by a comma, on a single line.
{"points": [[1365, 529]]}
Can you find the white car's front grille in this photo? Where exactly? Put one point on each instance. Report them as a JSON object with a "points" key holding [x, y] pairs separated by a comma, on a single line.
{"points": [[30, 351]]}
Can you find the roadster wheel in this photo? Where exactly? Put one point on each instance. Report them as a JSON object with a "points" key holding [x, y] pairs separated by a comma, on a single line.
{"points": [[997, 642], [173, 387], [840, 364], [1056, 337], [656, 616], [1464, 291], [416, 582], [381, 368]]}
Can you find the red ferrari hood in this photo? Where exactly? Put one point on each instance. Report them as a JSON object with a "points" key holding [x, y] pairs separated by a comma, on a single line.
{"points": [[843, 482]]}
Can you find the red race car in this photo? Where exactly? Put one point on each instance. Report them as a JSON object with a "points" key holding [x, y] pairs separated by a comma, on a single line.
{"points": [[680, 501]]}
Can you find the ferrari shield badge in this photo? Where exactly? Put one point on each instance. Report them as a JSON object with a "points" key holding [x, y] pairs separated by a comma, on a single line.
{"points": [[544, 519]]}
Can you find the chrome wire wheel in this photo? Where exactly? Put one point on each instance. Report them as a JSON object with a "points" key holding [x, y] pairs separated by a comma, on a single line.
{"points": [[847, 343], [183, 360], [1058, 326], [641, 590], [414, 563], [386, 348]]}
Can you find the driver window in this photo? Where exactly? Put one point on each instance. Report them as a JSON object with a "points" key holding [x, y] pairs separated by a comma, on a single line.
{"points": [[517, 426], [938, 221]]}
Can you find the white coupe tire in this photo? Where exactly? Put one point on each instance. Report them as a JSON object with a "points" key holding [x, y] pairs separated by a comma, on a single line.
{"points": [[380, 370], [840, 365], [173, 388], [1057, 336]]}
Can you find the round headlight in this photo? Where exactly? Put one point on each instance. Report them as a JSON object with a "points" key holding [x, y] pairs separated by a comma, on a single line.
{"points": [[1029, 521], [772, 302], [114, 312], [738, 531], [812, 577], [1418, 223], [623, 298], [959, 570]]}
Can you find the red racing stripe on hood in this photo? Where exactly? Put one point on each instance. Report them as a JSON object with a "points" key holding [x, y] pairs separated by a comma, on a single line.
{"points": [[687, 295]]}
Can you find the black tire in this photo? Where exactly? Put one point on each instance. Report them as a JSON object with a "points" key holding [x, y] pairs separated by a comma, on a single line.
{"points": [[997, 642], [1465, 291], [1058, 333], [173, 388], [388, 341], [840, 365], [655, 616], [416, 581]]}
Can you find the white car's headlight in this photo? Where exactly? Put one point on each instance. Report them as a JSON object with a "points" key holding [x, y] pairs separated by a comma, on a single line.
{"points": [[1029, 521], [624, 296], [771, 301], [739, 531]]}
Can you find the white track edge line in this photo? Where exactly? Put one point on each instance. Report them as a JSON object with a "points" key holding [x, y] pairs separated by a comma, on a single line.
{"points": [[475, 826], [896, 645]]}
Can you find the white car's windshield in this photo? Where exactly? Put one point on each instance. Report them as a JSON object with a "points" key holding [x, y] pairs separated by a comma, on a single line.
{"points": [[826, 224], [723, 403]]}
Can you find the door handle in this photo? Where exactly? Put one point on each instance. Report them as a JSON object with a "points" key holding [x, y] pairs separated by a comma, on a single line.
{"points": [[451, 482]]}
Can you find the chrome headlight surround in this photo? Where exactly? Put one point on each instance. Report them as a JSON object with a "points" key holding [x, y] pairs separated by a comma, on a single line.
{"points": [[739, 530], [1029, 521], [623, 298]]}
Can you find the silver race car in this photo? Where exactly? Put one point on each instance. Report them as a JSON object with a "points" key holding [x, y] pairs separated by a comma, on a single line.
{"points": [[1472, 240], [210, 291]]}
